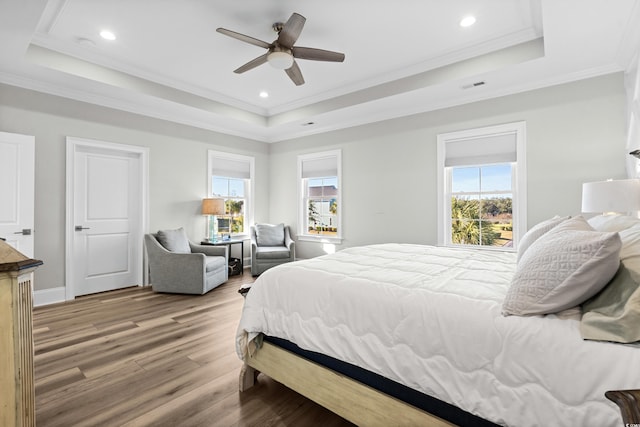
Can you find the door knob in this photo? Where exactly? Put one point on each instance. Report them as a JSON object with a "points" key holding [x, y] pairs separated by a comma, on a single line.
{"points": [[24, 232], [80, 228]]}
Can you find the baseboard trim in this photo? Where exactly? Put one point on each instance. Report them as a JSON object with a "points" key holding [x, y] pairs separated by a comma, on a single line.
{"points": [[49, 296]]}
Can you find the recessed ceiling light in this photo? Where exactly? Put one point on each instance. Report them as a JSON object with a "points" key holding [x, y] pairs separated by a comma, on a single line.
{"points": [[107, 35], [264, 94], [468, 21]]}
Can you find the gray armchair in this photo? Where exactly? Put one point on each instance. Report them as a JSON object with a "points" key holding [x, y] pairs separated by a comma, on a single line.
{"points": [[177, 265], [271, 245]]}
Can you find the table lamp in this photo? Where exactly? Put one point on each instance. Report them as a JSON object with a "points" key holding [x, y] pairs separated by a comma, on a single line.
{"points": [[612, 196], [212, 207]]}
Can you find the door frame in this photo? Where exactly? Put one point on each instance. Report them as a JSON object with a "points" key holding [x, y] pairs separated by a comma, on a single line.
{"points": [[75, 144]]}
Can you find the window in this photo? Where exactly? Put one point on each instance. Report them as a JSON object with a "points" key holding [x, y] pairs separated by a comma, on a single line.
{"points": [[230, 177], [481, 188], [319, 177]]}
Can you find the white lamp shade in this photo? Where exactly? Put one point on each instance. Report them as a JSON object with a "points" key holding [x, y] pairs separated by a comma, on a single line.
{"points": [[620, 196], [213, 207]]}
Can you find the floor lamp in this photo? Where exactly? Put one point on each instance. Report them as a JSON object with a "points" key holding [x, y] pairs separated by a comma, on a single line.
{"points": [[211, 208]]}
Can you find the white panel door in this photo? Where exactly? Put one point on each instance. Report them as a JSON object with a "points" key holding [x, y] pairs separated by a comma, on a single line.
{"points": [[17, 169], [107, 225]]}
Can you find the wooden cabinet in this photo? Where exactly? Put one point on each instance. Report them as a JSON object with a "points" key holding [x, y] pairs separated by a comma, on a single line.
{"points": [[17, 397]]}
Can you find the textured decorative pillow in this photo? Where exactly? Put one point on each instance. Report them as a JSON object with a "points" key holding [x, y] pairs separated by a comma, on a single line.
{"points": [[562, 269], [270, 235], [174, 240], [536, 231], [614, 314]]}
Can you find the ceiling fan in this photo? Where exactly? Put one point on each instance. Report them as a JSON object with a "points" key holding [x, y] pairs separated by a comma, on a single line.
{"points": [[281, 52]]}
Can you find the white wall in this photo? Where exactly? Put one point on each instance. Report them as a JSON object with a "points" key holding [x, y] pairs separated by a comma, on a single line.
{"points": [[632, 88], [177, 166], [575, 133]]}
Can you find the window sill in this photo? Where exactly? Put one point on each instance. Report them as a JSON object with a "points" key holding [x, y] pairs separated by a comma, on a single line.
{"points": [[320, 239]]}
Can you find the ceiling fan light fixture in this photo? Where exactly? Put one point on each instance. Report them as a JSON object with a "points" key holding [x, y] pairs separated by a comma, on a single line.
{"points": [[282, 51], [280, 60]]}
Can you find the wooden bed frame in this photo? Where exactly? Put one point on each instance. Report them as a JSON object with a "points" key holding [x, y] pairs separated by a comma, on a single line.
{"points": [[629, 403], [352, 400], [361, 404]]}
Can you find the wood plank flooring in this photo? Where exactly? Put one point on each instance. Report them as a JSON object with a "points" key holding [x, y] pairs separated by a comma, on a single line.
{"points": [[133, 357]]}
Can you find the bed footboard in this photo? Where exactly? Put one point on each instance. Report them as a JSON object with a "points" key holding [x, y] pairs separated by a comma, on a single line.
{"points": [[629, 403], [350, 399]]}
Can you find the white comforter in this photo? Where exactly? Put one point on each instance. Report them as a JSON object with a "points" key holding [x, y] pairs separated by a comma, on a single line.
{"points": [[430, 318]]}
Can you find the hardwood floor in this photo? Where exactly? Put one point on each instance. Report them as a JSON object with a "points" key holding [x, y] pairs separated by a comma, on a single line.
{"points": [[137, 358]]}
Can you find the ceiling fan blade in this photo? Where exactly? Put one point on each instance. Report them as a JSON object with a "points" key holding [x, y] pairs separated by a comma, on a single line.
{"points": [[317, 54], [291, 30], [295, 74], [252, 64], [244, 38]]}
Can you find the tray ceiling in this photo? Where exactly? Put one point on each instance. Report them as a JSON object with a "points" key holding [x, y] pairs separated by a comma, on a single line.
{"points": [[168, 61]]}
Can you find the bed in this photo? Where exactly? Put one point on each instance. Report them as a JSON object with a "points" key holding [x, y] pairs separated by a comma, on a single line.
{"points": [[441, 325]]}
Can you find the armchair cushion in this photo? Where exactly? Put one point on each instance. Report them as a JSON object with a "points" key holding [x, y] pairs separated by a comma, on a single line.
{"points": [[272, 252], [270, 235], [174, 240]]}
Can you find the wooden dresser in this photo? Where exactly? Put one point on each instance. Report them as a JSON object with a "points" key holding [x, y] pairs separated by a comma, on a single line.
{"points": [[17, 398]]}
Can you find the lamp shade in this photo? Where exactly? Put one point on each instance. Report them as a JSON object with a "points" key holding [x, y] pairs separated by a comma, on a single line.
{"points": [[213, 206], [618, 196]]}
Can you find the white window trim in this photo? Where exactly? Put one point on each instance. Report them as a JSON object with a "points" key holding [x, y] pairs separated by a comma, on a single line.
{"points": [[518, 177], [249, 209], [302, 232]]}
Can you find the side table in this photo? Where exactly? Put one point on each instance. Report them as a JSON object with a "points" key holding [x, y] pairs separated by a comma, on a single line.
{"points": [[229, 243]]}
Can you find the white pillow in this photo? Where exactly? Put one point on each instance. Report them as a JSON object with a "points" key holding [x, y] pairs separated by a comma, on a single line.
{"points": [[536, 231], [630, 242], [562, 269], [613, 222], [627, 226]]}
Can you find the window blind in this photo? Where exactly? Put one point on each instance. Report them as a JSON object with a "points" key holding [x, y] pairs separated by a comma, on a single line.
{"points": [[320, 167], [497, 148], [230, 168]]}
